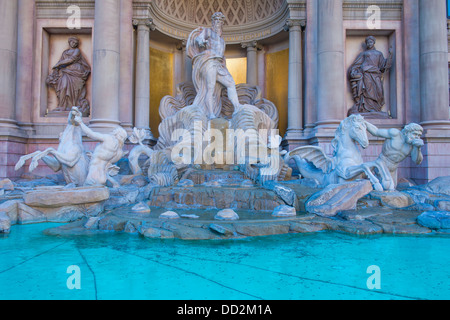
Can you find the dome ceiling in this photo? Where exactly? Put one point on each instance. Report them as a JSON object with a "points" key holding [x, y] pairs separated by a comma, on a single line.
{"points": [[237, 12], [245, 20]]}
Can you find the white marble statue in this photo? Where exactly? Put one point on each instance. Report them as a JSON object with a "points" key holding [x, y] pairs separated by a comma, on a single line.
{"points": [[214, 94], [206, 48], [70, 157], [159, 167], [346, 164], [397, 147], [106, 154]]}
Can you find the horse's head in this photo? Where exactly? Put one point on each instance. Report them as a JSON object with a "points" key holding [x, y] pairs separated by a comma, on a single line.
{"points": [[74, 112], [358, 130]]}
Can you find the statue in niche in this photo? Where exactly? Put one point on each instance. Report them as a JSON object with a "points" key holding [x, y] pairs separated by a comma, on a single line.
{"points": [[366, 79], [69, 78], [206, 48]]}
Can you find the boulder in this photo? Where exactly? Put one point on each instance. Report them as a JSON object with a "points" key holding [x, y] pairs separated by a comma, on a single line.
{"points": [[443, 205], [156, 233], [436, 220], [220, 230], [393, 199], [7, 185], [141, 207], [285, 193], [61, 197], [5, 223], [92, 223], [338, 197], [439, 185], [227, 215], [122, 196], [11, 208], [169, 215], [284, 211], [28, 215], [190, 216], [262, 229]]}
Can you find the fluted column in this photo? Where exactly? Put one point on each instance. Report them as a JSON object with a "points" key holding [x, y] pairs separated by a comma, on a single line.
{"points": [[252, 62], [126, 65], [187, 64], [412, 60], [25, 55], [433, 63], [180, 63], [295, 87], [8, 61], [331, 108], [106, 66], [142, 93], [311, 66]]}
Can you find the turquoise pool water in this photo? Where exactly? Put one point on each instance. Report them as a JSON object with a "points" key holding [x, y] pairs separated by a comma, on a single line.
{"points": [[316, 266]]}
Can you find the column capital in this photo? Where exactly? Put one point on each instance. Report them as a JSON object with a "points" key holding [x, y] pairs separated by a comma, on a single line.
{"points": [[145, 22], [251, 45], [292, 23], [181, 45]]}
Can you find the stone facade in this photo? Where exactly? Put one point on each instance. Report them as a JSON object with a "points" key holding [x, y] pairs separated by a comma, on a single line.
{"points": [[323, 37]]}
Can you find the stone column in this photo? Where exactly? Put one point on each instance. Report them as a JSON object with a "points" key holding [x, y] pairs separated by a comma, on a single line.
{"points": [[434, 96], [331, 108], [412, 60], [433, 63], [311, 66], [262, 71], [106, 66], [180, 64], [142, 90], [295, 87], [25, 54], [252, 62], [187, 64], [126, 65], [8, 61]]}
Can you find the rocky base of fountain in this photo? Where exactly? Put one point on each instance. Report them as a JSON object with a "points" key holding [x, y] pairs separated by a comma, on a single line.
{"points": [[150, 225], [217, 209]]}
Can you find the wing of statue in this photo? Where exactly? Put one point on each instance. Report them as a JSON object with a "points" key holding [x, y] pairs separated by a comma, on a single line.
{"points": [[315, 155]]}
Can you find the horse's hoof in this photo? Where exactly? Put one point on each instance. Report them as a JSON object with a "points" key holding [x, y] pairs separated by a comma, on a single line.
{"points": [[33, 166], [19, 165]]}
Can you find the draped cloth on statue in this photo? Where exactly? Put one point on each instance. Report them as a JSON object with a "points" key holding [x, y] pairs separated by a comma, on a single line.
{"points": [[207, 61], [69, 80], [366, 76]]}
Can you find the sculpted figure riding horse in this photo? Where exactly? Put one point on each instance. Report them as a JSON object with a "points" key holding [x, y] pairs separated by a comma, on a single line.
{"points": [[70, 157], [346, 164]]}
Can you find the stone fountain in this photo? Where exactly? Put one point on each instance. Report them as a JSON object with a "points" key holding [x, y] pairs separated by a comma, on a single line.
{"points": [[218, 172]]}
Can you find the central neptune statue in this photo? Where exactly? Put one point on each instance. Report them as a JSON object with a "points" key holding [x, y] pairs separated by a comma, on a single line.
{"points": [[212, 98], [206, 48]]}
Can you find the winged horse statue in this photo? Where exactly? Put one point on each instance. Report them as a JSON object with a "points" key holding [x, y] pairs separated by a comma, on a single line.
{"points": [[346, 164]]}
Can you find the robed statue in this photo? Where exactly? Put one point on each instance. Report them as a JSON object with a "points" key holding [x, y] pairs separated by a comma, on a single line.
{"points": [[69, 78], [366, 79]]}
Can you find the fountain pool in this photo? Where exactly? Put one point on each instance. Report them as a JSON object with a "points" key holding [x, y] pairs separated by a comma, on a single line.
{"points": [[326, 265]]}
